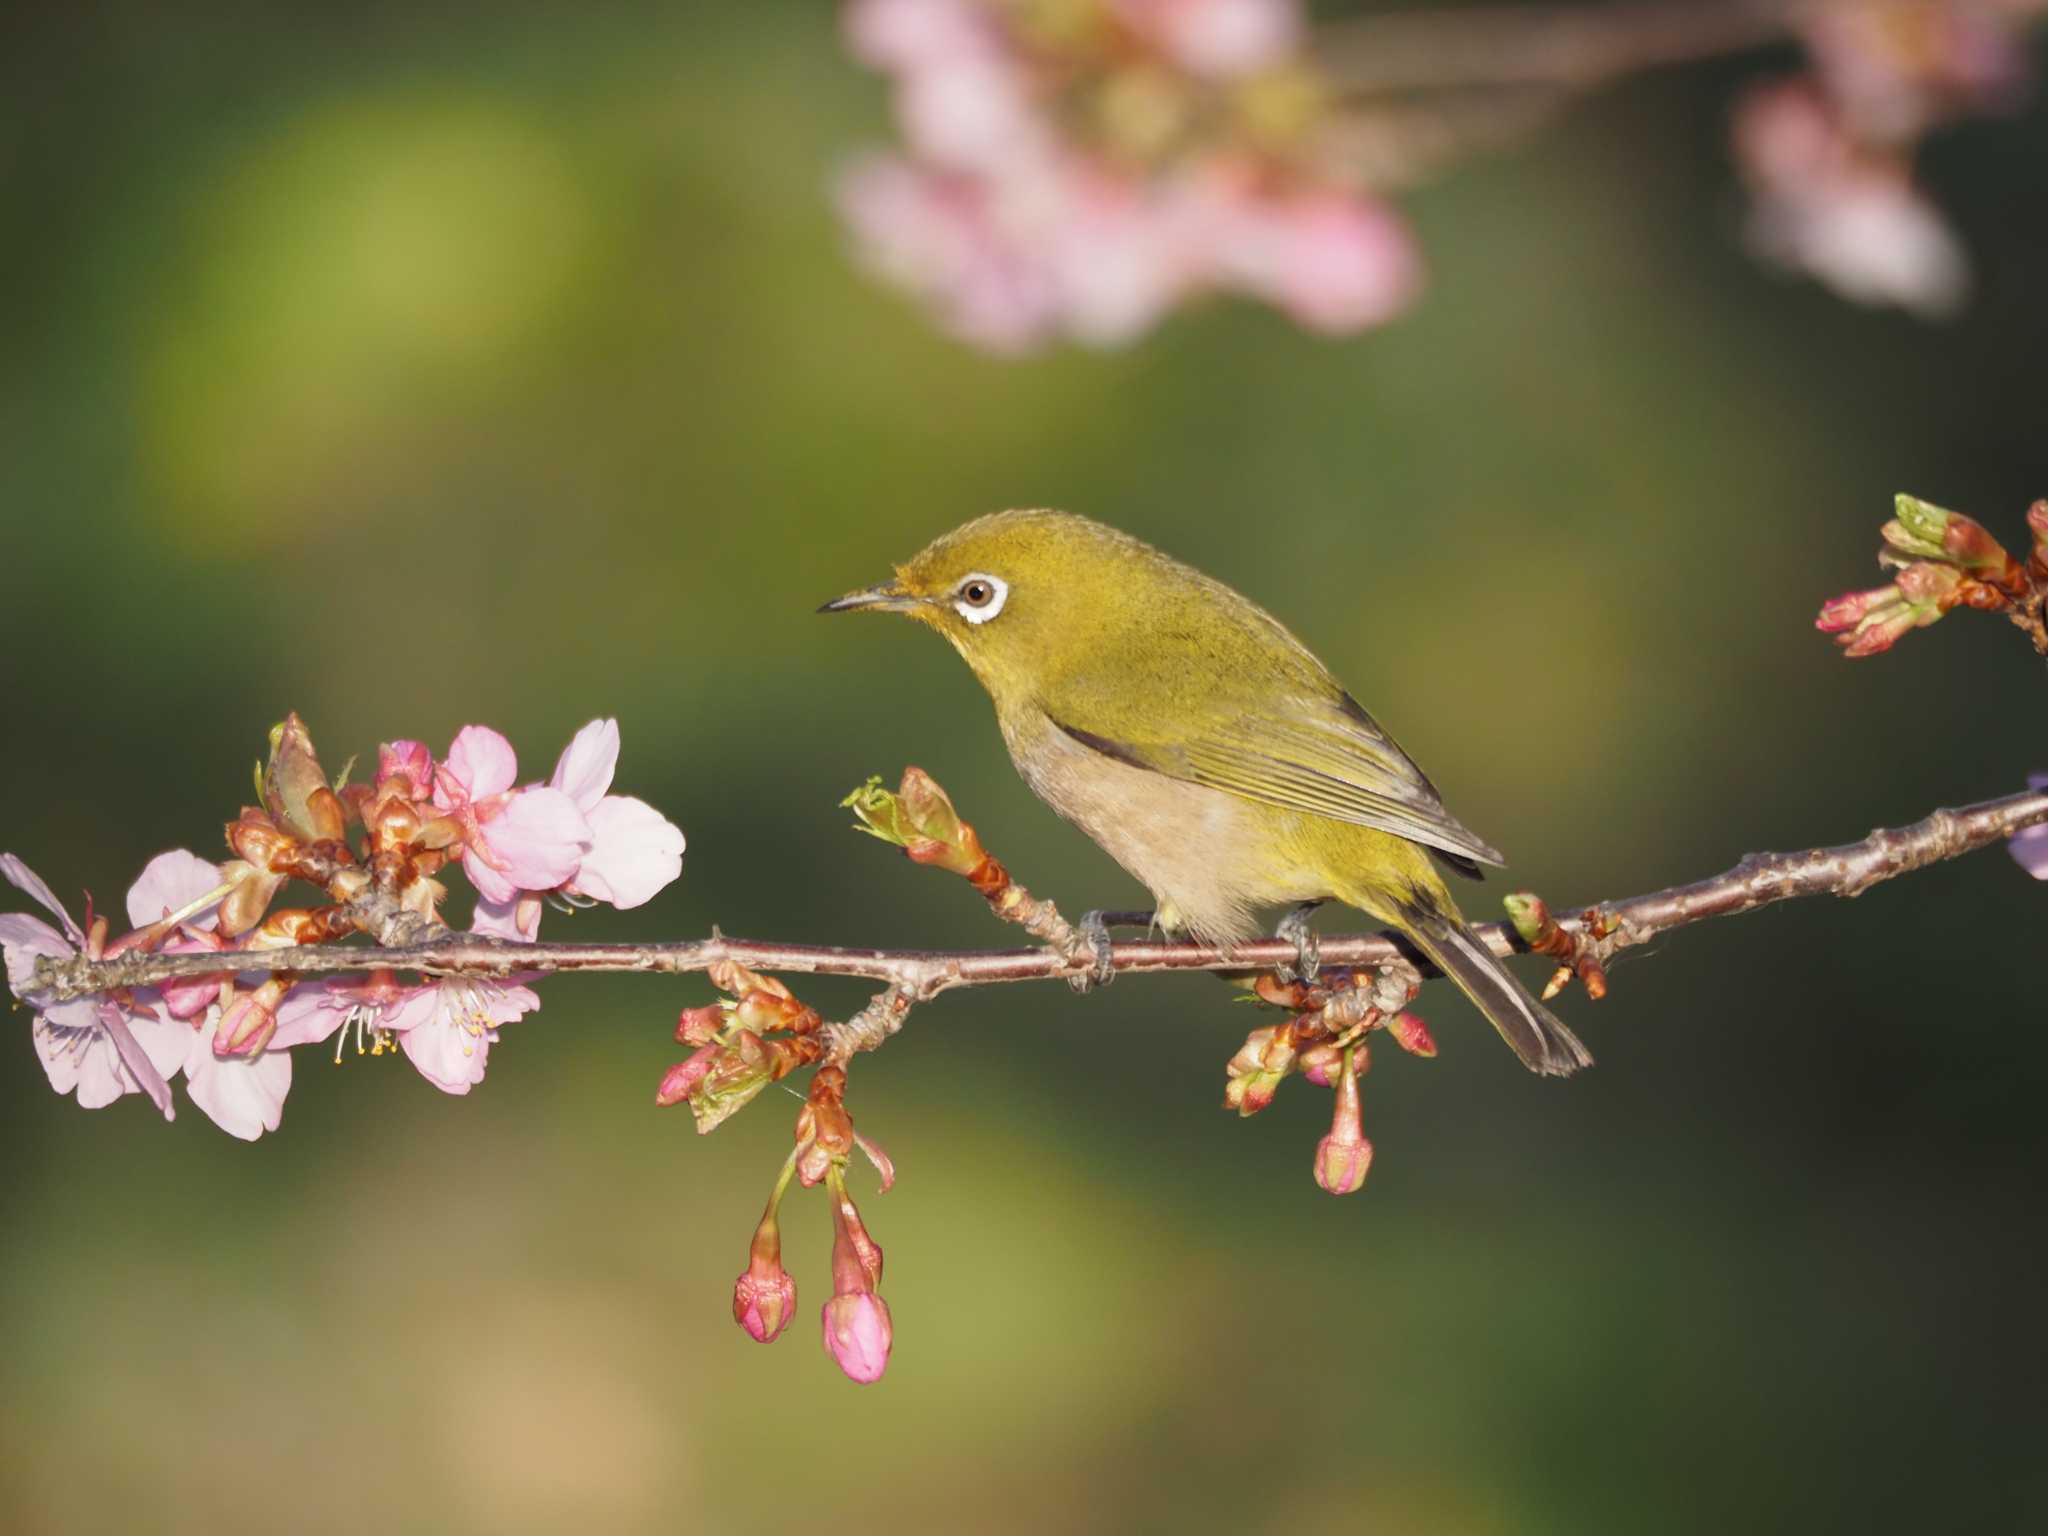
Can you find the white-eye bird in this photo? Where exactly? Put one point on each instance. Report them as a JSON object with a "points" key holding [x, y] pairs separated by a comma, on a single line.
{"points": [[1205, 748]]}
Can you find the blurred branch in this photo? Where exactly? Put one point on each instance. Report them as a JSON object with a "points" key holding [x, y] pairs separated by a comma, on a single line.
{"points": [[1568, 46], [1849, 869]]}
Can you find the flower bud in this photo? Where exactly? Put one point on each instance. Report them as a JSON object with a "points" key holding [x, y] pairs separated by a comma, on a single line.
{"points": [[1343, 1156], [858, 1335], [682, 1080], [1411, 1034], [249, 1020], [1920, 529], [920, 819], [700, 1026], [296, 789], [1256, 1071], [409, 761], [764, 1300], [252, 892]]}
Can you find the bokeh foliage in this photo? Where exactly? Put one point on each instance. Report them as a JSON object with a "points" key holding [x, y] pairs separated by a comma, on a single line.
{"points": [[409, 366]]}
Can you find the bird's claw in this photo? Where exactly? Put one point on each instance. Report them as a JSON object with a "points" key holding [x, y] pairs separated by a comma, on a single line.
{"points": [[1297, 928], [1095, 933]]}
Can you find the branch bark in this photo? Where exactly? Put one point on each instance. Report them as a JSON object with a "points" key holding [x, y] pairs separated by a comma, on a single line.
{"points": [[1848, 869]]}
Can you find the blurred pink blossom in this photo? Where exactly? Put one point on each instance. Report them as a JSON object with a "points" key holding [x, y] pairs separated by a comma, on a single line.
{"points": [[1840, 211], [1078, 173], [1897, 68], [1221, 38]]}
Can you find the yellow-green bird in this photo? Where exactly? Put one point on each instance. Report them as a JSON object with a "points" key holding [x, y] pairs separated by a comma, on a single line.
{"points": [[1206, 749]]}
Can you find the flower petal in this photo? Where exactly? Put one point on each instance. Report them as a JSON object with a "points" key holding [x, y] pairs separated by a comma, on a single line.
{"points": [[25, 879], [25, 940], [634, 852], [584, 770], [517, 920], [447, 1054], [245, 1098], [536, 841], [482, 762], [139, 1070], [167, 883], [310, 1013]]}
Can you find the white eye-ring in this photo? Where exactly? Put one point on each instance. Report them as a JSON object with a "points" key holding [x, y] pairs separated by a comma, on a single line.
{"points": [[980, 597]]}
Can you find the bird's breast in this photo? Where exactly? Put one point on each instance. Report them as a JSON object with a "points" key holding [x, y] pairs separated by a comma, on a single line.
{"points": [[1210, 859]]}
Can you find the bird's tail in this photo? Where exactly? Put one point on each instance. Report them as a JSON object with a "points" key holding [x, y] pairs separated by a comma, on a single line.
{"points": [[1535, 1033]]}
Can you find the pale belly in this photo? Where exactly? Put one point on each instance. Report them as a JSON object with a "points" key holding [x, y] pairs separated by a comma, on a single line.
{"points": [[1211, 860]]}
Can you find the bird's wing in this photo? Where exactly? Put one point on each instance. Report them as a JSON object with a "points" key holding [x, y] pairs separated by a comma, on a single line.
{"points": [[1319, 754]]}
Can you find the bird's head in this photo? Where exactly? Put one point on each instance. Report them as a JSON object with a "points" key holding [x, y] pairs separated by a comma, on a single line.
{"points": [[1019, 594]]}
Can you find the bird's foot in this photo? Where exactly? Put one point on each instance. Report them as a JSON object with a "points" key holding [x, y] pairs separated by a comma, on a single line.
{"points": [[1094, 932], [1297, 929]]}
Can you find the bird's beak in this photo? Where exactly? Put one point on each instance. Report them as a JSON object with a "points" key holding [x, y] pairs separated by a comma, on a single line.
{"points": [[887, 597]]}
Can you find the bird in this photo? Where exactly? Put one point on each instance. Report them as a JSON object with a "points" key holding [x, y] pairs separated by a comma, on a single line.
{"points": [[1204, 748]]}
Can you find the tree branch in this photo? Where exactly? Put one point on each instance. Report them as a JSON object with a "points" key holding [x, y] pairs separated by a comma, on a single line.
{"points": [[1567, 46], [1849, 869]]}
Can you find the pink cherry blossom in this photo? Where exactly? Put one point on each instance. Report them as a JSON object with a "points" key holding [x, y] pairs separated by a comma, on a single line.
{"points": [[1220, 38], [513, 840], [1843, 212], [1335, 262], [88, 1046], [635, 851], [243, 1095], [445, 1027], [910, 36]]}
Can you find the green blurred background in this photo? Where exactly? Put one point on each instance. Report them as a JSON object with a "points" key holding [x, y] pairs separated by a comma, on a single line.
{"points": [[411, 366]]}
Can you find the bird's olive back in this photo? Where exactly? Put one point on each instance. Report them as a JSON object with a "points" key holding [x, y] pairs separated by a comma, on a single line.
{"points": [[1039, 601]]}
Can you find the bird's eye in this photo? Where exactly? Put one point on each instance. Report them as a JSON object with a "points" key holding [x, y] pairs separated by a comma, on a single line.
{"points": [[980, 598]]}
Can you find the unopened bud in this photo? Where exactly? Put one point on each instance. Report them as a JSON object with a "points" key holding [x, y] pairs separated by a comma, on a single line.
{"points": [[1411, 1034], [1260, 1065], [249, 1020], [296, 789], [407, 760], [700, 1026], [858, 1335], [683, 1079], [1343, 1156]]}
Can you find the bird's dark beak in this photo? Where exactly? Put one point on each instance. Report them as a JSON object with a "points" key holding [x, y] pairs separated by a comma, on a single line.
{"points": [[887, 596]]}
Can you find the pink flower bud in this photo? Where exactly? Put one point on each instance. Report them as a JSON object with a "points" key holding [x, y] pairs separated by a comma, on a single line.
{"points": [[700, 1026], [409, 760], [682, 1080], [1341, 1166], [763, 1301], [1411, 1034], [1260, 1065], [858, 1334], [249, 1021], [1343, 1156]]}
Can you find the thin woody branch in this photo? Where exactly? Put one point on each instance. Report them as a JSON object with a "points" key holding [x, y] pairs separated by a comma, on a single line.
{"points": [[1570, 46], [1848, 869]]}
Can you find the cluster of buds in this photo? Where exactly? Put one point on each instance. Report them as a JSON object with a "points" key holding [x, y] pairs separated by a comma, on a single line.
{"points": [[374, 852], [1324, 1041], [1580, 953], [918, 817], [1944, 561], [856, 1325], [757, 1036], [1078, 168], [1828, 154]]}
